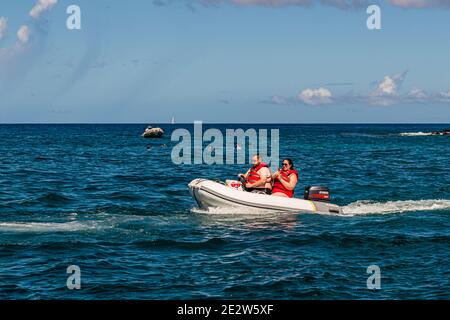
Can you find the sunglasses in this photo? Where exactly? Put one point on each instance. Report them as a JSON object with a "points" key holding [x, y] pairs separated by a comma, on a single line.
{"points": [[285, 164]]}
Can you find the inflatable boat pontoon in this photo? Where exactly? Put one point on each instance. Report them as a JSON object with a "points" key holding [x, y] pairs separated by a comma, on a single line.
{"points": [[210, 194]]}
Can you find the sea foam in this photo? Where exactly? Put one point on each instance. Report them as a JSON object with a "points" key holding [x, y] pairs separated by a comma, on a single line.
{"points": [[363, 207], [415, 134]]}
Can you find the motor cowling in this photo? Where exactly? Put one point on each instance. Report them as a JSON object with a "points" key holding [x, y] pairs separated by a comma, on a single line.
{"points": [[317, 193]]}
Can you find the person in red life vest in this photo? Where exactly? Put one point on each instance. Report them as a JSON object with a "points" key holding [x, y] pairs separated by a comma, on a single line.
{"points": [[257, 178], [285, 180]]}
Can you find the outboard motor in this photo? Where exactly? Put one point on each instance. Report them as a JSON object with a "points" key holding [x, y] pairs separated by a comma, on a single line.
{"points": [[317, 193]]}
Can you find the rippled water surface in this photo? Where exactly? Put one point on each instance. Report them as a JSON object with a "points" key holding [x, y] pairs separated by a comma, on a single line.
{"points": [[105, 199]]}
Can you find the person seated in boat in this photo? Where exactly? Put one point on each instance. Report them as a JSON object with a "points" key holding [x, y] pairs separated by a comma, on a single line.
{"points": [[285, 180], [257, 178]]}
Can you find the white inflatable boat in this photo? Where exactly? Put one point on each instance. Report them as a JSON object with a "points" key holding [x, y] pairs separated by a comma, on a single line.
{"points": [[210, 194]]}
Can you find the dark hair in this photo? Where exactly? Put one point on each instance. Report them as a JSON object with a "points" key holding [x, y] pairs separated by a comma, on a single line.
{"points": [[290, 162]]}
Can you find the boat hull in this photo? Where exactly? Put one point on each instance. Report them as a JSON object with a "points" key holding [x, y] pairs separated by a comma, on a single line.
{"points": [[210, 195], [153, 133]]}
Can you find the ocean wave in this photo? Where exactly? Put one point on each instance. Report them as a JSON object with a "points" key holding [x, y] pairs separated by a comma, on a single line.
{"points": [[54, 198], [364, 135], [48, 226], [163, 243], [125, 196], [345, 239], [363, 207], [415, 134]]}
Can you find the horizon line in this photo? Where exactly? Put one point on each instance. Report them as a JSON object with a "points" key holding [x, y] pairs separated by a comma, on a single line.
{"points": [[237, 123]]}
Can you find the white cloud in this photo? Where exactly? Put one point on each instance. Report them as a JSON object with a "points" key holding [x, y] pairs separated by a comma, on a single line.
{"points": [[315, 96], [387, 87], [23, 34], [272, 3], [390, 85], [420, 3], [387, 90], [386, 93], [417, 94], [342, 4], [445, 94], [41, 6], [278, 100], [3, 26]]}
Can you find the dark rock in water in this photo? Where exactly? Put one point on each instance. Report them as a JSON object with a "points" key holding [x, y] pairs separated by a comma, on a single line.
{"points": [[441, 133]]}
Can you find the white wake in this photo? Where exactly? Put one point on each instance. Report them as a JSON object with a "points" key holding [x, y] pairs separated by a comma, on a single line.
{"points": [[45, 226], [73, 225], [361, 207], [371, 207]]}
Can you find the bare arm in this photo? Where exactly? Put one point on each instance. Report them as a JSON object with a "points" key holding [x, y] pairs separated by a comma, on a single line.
{"points": [[244, 175], [292, 182], [275, 175]]}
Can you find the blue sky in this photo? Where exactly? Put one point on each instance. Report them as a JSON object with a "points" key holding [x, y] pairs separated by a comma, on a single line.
{"points": [[225, 61]]}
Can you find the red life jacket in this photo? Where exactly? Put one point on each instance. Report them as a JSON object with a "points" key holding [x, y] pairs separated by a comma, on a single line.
{"points": [[253, 175], [278, 186]]}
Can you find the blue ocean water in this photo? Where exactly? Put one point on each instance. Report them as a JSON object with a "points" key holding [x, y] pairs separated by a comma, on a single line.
{"points": [[105, 199]]}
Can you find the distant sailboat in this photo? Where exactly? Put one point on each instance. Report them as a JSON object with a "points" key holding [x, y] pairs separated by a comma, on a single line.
{"points": [[173, 120]]}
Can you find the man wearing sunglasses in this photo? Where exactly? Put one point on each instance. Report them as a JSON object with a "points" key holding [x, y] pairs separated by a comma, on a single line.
{"points": [[257, 178]]}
